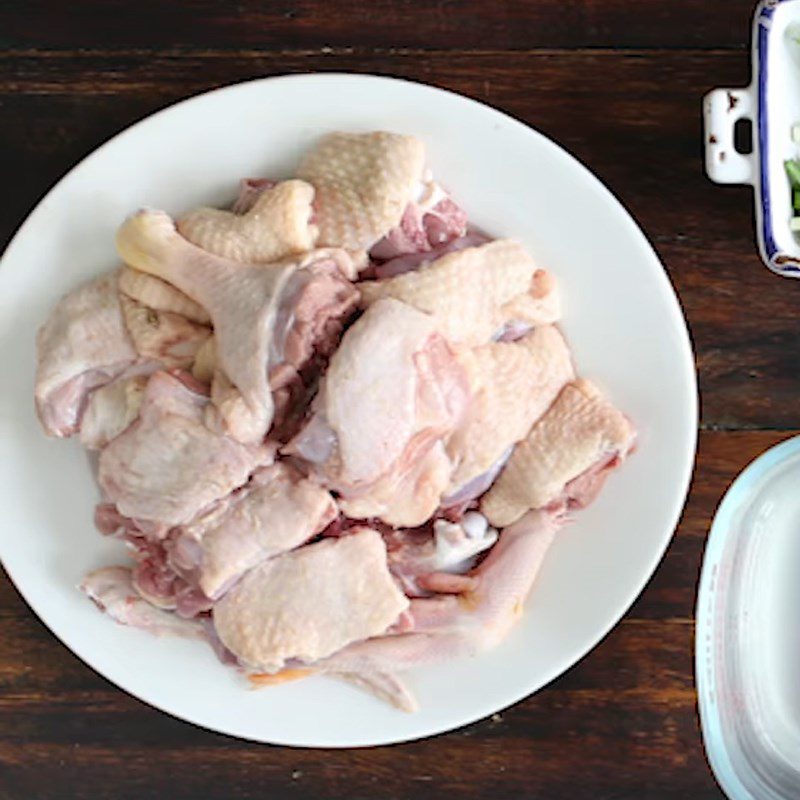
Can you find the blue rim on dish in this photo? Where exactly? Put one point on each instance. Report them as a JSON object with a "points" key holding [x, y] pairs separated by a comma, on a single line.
{"points": [[778, 261], [706, 633]]}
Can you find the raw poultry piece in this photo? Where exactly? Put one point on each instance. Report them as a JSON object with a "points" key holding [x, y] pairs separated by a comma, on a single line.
{"points": [[409, 493], [411, 261], [247, 304], [163, 336], [160, 295], [168, 466], [480, 611], [363, 182], [473, 293], [565, 457], [453, 547], [311, 602], [250, 189], [112, 590], [276, 511], [110, 410], [430, 220], [513, 384], [392, 391], [83, 345], [276, 224]]}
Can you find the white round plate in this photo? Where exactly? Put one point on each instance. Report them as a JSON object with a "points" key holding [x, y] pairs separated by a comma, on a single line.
{"points": [[621, 317]]}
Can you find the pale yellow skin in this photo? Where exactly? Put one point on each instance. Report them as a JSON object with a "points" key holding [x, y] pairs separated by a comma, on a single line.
{"points": [[513, 384], [363, 183], [242, 301], [280, 510], [580, 429], [163, 336], [311, 602], [472, 293], [276, 226], [160, 295]]}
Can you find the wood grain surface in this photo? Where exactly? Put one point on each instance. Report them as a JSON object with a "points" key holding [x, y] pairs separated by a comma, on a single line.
{"points": [[619, 85]]}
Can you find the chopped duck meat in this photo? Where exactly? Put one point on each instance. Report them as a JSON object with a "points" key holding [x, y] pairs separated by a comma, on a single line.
{"points": [[110, 410], [163, 336], [409, 493], [416, 413], [83, 345], [431, 220], [310, 318], [250, 189], [159, 295], [581, 431], [513, 384], [474, 292], [309, 603], [112, 590], [392, 390], [540, 305], [276, 512], [482, 609], [412, 261], [243, 301], [155, 580], [168, 466], [452, 549], [276, 225], [363, 182]]}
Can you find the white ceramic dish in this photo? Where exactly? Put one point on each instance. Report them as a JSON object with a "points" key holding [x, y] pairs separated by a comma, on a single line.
{"points": [[772, 103], [748, 640], [621, 317]]}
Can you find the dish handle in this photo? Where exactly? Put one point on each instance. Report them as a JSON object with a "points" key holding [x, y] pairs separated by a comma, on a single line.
{"points": [[722, 109]]}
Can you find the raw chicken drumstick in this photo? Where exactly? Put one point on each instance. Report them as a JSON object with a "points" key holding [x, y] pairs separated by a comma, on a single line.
{"points": [[244, 302]]}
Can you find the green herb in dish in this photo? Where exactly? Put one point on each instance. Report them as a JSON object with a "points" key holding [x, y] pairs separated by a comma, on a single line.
{"points": [[793, 172]]}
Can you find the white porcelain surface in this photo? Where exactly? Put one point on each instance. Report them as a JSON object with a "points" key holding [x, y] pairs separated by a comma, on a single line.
{"points": [[621, 317]]}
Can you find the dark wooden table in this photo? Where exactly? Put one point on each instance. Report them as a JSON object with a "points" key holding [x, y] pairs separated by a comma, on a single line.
{"points": [[619, 84]]}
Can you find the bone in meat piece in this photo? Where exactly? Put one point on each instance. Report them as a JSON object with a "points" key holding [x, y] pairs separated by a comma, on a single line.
{"points": [[83, 345], [363, 184], [392, 390], [276, 225], [243, 301], [168, 466], [163, 336], [112, 591], [580, 431], [429, 221], [409, 494], [110, 410], [277, 511], [250, 189], [451, 549], [513, 384], [474, 292], [160, 295], [311, 602], [484, 607]]}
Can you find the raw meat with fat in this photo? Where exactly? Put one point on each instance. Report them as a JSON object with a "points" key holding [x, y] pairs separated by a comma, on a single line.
{"points": [[581, 431], [309, 603]]}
